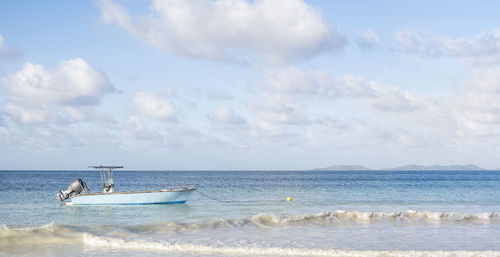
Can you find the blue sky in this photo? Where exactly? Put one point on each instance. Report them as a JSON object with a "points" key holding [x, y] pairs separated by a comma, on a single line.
{"points": [[236, 84]]}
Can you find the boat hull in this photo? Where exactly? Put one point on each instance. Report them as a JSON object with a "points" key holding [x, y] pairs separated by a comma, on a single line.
{"points": [[134, 198]]}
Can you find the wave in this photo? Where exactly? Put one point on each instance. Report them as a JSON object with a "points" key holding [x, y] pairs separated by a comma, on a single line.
{"points": [[15, 239], [34, 240], [44, 234], [336, 218], [48, 227], [187, 248], [263, 220]]}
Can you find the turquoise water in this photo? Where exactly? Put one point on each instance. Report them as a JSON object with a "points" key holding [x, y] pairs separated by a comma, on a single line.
{"points": [[398, 213]]}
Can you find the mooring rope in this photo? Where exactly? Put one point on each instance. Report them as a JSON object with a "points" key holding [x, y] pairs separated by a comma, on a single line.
{"points": [[213, 198]]}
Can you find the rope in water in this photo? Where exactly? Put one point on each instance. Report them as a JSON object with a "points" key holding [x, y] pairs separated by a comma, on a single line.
{"points": [[212, 198]]}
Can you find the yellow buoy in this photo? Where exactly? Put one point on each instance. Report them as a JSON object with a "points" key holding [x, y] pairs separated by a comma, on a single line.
{"points": [[289, 199]]}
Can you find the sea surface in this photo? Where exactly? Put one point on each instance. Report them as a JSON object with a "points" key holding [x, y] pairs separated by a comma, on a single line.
{"points": [[244, 213]]}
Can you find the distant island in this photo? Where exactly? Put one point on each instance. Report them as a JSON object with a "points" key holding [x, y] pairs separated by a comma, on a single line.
{"points": [[404, 167], [344, 167], [437, 167]]}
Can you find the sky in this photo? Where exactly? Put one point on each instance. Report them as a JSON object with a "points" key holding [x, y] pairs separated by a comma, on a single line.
{"points": [[248, 85]]}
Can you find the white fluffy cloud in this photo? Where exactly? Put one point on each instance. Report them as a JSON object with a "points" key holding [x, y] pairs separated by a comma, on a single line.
{"points": [[38, 95], [75, 82], [292, 83], [6, 52], [315, 109], [483, 49], [155, 107], [273, 31], [223, 115], [383, 97]]}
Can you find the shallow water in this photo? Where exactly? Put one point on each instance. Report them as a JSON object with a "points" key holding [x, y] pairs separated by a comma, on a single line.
{"points": [[346, 213]]}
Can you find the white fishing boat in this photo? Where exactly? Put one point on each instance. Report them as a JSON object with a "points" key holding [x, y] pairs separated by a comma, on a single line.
{"points": [[79, 193]]}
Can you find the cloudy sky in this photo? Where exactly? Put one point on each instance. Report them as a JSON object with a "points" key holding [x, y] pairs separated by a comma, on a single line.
{"points": [[236, 84]]}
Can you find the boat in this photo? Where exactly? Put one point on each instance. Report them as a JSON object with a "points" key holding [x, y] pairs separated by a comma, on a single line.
{"points": [[79, 193]]}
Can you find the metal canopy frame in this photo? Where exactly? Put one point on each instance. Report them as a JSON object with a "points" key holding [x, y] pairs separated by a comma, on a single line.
{"points": [[108, 185]]}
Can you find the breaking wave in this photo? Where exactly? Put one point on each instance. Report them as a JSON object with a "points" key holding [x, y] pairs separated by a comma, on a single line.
{"points": [[263, 220], [336, 218], [34, 240], [45, 238], [44, 234], [217, 250]]}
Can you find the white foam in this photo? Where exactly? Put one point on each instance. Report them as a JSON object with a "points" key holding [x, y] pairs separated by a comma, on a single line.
{"points": [[144, 245], [49, 227], [341, 216], [16, 239]]}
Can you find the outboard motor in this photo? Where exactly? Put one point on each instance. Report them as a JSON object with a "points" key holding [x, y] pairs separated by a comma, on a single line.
{"points": [[75, 188]]}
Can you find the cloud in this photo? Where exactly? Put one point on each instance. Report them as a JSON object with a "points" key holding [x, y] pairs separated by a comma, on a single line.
{"points": [[477, 107], [291, 84], [27, 114], [315, 109], [279, 109], [133, 129], [156, 107], [273, 32], [8, 53], [223, 115], [486, 80], [293, 81], [368, 40], [383, 97], [75, 82], [293, 101], [265, 129], [67, 94], [484, 49], [282, 90]]}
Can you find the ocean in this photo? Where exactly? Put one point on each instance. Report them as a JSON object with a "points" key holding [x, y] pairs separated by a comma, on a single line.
{"points": [[245, 213]]}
